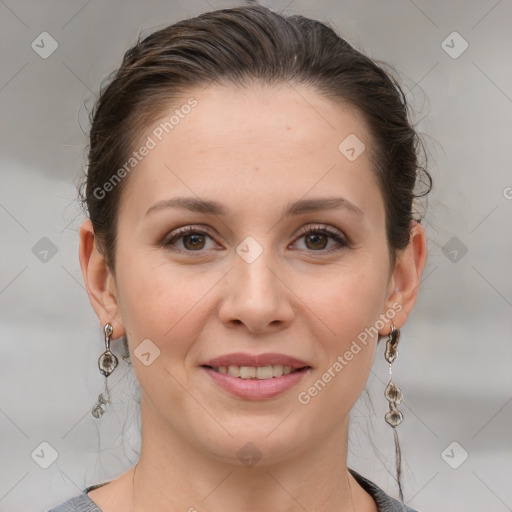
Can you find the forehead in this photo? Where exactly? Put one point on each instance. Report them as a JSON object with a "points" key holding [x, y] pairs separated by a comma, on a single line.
{"points": [[268, 140], [280, 115]]}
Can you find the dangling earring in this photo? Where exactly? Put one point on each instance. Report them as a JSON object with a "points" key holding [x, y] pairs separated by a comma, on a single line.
{"points": [[395, 396], [107, 363], [126, 355]]}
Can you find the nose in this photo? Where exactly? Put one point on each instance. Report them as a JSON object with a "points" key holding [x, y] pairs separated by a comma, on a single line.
{"points": [[256, 296]]}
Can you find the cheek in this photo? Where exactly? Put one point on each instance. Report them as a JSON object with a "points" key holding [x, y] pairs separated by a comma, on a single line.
{"points": [[349, 297], [160, 301], [350, 310], [348, 306], [160, 305]]}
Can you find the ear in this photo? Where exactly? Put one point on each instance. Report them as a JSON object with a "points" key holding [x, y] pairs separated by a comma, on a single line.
{"points": [[406, 277], [99, 281]]}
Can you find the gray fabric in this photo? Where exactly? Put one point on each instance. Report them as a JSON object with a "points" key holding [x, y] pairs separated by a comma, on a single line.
{"points": [[385, 503]]}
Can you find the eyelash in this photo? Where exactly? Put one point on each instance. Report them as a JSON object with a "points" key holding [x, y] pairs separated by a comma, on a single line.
{"points": [[319, 229]]}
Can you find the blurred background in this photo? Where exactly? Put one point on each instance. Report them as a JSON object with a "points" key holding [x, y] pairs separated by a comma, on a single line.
{"points": [[455, 353]]}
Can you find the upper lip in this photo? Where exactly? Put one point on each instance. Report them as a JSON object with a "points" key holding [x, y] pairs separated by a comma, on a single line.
{"points": [[269, 359]]}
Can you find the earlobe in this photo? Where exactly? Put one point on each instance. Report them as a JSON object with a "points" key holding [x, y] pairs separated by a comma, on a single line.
{"points": [[99, 281], [406, 276]]}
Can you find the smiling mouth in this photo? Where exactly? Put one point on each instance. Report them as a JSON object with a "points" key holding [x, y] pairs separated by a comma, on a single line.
{"points": [[257, 372]]}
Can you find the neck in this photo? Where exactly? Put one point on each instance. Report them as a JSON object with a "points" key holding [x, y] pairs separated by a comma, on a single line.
{"points": [[171, 472]]}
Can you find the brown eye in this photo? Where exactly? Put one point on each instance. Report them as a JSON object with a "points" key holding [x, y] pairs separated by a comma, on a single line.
{"points": [[192, 240], [316, 239]]}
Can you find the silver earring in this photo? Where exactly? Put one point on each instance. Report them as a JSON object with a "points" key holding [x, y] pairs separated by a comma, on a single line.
{"points": [[126, 355], [107, 363], [393, 393], [394, 396]]}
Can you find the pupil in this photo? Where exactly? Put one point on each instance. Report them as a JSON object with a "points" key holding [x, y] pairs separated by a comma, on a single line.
{"points": [[315, 238], [195, 240]]}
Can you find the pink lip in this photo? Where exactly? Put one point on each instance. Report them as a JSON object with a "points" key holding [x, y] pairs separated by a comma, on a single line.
{"points": [[241, 359], [256, 389]]}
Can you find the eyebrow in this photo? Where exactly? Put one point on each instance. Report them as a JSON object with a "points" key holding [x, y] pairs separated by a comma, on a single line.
{"points": [[213, 207]]}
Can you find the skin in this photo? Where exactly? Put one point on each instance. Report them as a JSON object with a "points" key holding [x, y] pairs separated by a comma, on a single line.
{"points": [[255, 150]]}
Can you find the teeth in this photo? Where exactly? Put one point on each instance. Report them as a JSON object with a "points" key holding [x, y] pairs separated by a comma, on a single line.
{"points": [[264, 372], [277, 370], [253, 372], [248, 372], [234, 371]]}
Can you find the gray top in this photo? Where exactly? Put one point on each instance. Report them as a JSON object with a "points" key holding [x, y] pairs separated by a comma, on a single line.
{"points": [[385, 503]]}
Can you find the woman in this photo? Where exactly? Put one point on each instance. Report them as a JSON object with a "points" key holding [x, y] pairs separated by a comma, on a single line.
{"points": [[251, 238]]}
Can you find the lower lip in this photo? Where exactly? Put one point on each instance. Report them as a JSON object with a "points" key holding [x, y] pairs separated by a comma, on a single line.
{"points": [[256, 389]]}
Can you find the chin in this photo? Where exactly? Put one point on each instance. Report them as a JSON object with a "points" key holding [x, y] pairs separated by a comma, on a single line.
{"points": [[264, 447]]}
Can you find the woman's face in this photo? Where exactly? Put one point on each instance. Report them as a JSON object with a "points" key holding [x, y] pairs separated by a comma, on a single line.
{"points": [[246, 279]]}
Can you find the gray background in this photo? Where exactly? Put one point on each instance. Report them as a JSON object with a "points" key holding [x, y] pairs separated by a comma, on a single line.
{"points": [[455, 356]]}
